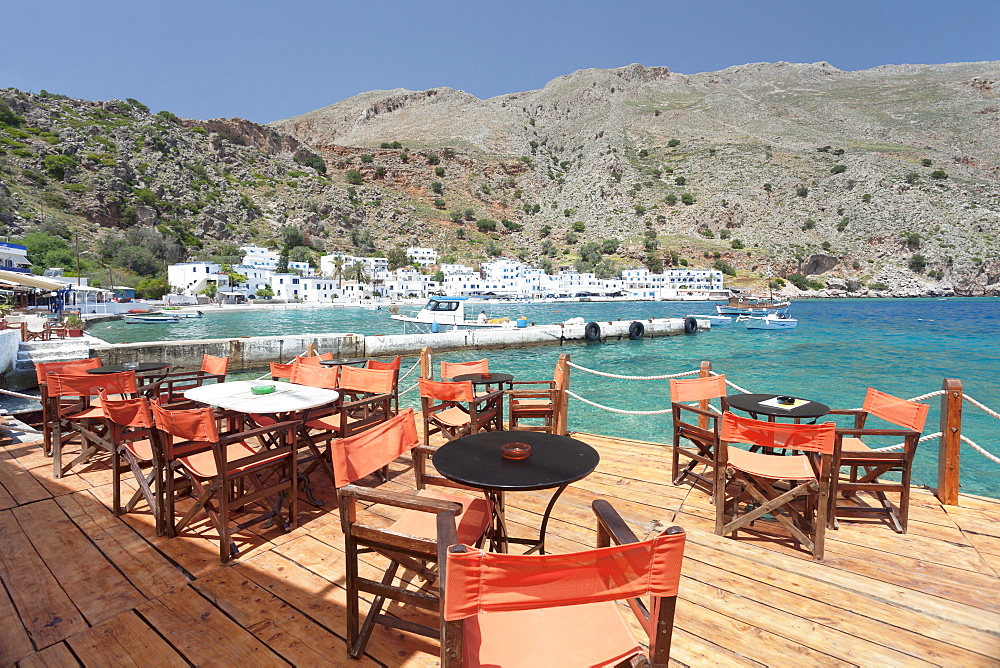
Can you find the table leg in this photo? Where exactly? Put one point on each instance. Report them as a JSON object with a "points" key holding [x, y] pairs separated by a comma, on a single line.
{"points": [[499, 539]]}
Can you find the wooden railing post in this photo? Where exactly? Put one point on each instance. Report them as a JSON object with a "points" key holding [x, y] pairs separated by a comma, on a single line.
{"points": [[561, 419], [427, 363], [704, 371], [951, 441]]}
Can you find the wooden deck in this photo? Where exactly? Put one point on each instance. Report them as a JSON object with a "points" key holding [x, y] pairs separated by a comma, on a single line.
{"points": [[81, 586]]}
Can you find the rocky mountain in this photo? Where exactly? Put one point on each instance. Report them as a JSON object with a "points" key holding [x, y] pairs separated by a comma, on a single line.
{"points": [[883, 178]]}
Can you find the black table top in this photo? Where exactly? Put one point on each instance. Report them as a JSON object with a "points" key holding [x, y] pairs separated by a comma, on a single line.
{"points": [[349, 361], [478, 379], [476, 461], [750, 403], [139, 368]]}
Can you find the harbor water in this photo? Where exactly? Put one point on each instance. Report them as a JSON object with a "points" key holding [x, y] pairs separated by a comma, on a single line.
{"points": [[902, 346]]}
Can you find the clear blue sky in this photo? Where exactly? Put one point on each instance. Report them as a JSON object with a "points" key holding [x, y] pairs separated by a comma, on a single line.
{"points": [[270, 60]]}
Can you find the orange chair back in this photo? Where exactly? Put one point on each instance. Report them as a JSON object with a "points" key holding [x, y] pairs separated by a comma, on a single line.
{"points": [[42, 369], [370, 381], [133, 413], [901, 412], [89, 384], [358, 456], [313, 360], [391, 366], [281, 370], [442, 391], [451, 369], [697, 389], [479, 581], [191, 424], [807, 437], [217, 366], [314, 376]]}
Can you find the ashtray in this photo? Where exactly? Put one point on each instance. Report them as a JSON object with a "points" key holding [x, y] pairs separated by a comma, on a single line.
{"points": [[515, 450], [786, 401], [262, 389], [486, 375]]}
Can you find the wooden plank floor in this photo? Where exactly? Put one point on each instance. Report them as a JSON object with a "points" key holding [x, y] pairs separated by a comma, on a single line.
{"points": [[81, 586]]}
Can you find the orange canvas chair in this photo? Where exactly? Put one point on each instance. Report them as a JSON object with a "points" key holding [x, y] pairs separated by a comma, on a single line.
{"points": [[801, 505], [364, 402], [226, 473], [698, 426], [281, 371], [559, 610], [313, 360], [171, 387], [130, 423], [410, 542], [389, 366], [539, 400], [865, 468], [85, 419], [314, 376], [453, 409], [451, 369], [49, 409]]}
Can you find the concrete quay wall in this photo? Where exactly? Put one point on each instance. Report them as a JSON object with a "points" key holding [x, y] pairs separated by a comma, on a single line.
{"points": [[256, 352]]}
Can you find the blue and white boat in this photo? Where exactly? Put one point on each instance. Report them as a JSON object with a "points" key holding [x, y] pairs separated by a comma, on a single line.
{"points": [[769, 321], [443, 314]]}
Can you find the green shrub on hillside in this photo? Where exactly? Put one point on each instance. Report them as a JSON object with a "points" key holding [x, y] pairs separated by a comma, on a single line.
{"points": [[724, 267], [917, 263], [56, 165], [802, 191], [674, 142], [367, 158], [439, 171], [353, 177], [838, 169], [688, 199], [939, 174], [803, 283]]}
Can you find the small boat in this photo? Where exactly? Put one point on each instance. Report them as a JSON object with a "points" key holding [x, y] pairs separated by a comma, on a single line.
{"points": [[742, 303], [186, 314], [769, 321], [149, 319], [442, 314], [716, 320]]}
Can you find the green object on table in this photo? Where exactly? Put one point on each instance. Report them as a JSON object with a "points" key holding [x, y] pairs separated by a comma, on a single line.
{"points": [[262, 389]]}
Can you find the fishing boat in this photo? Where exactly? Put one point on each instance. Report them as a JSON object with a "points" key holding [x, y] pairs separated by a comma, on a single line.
{"points": [[442, 314], [744, 303], [715, 320], [769, 321], [138, 319]]}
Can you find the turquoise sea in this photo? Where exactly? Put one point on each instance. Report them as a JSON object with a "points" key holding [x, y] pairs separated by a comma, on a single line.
{"points": [[902, 346]]}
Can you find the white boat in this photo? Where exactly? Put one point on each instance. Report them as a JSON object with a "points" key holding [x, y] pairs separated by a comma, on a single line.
{"points": [[769, 321], [149, 319], [743, 303], [716, 320], [442, 314]]}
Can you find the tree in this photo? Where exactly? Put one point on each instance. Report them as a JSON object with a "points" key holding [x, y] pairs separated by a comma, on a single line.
{"points": [[724, 267], [688, 199], [838, 169], [917, 263], [680, 180], [670, 200], [802, 191], [610, 246], [265, 292], [439, 203], [353, 177], [433, 159], [338, 269], [912, 178], [492, 248], [545, 231], [397, 258], [654, 262], [439, 276], [153, 288], [437, 187], [486, 225], [210, 290], [56, 165], [939, 174], [926, 162], [359, 271], [674, 142], [578, 226]]}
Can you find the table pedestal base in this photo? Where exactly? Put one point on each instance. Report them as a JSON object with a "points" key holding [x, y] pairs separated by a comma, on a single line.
{"points": [[498, 536]]}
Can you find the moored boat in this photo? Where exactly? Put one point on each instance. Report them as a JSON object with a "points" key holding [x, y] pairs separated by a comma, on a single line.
{"points": [[448, 313], [769, 321], [150, 319], [715, 320]]}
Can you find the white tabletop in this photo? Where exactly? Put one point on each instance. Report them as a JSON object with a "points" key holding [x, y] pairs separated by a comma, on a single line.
{"points": [[237, 396]]}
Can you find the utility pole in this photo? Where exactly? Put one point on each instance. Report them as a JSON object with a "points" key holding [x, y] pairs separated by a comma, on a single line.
{"points": [[76, 237]]}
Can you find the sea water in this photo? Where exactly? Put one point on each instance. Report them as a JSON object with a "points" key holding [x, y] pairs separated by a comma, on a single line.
{"points": [[905, 347]]}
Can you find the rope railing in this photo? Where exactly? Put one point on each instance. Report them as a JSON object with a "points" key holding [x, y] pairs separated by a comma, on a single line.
{"points": [[617, 410], [625, 377], [978, 448], [986, 409]]}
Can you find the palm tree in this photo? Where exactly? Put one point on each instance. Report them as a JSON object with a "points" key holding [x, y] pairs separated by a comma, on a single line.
{"points": [[338, 269], [358, 271]]}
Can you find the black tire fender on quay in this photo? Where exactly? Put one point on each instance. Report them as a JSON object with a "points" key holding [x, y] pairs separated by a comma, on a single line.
{"points": [[636, 330], [690, 325], [592, 332]]}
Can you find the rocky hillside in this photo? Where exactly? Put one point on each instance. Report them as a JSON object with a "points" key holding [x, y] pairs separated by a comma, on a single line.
{"points": [[884, 178]]}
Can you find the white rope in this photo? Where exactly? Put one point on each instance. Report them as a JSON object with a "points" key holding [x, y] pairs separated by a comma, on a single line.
{"points": [[624, 377], [935, 393], [18, 394], [403, 377], [890, 448], [978, 448], [409, 388], [985, 409], [618, 410]]}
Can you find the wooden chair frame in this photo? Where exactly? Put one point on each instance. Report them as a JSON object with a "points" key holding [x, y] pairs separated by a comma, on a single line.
{"points": [[256, 479], [703, 435], [656, 619], [538, 399], [485, 413], [52, 407], [874, 465]]}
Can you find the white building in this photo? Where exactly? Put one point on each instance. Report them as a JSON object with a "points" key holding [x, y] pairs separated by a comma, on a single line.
{"points": [[191, 278], [260, 258], [14, 257], [422, 256]]}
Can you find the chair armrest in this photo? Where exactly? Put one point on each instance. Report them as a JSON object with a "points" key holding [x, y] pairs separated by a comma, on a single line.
{"points": [[611, 526], [550, 383], [877, 432], [400, 500], [694, 409], [487, 398], [846, 411]]}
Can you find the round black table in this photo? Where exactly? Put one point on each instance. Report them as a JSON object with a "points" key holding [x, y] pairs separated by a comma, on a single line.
{"points": [[752, 404], [498, 379], [347, 361], [555, 462], [141, 367]]}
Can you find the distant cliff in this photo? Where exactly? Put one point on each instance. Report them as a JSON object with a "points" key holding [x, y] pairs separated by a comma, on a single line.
{"points": [[884, 178]]}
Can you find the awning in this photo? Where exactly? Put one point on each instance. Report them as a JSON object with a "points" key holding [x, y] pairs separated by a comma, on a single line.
{"points": [[31, 280]]}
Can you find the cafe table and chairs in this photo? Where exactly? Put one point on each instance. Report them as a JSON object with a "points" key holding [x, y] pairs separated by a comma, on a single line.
{"points": [[499, 462], [454, 409], [345, 361], [778, 407], [487, 380], [51, 410]]}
